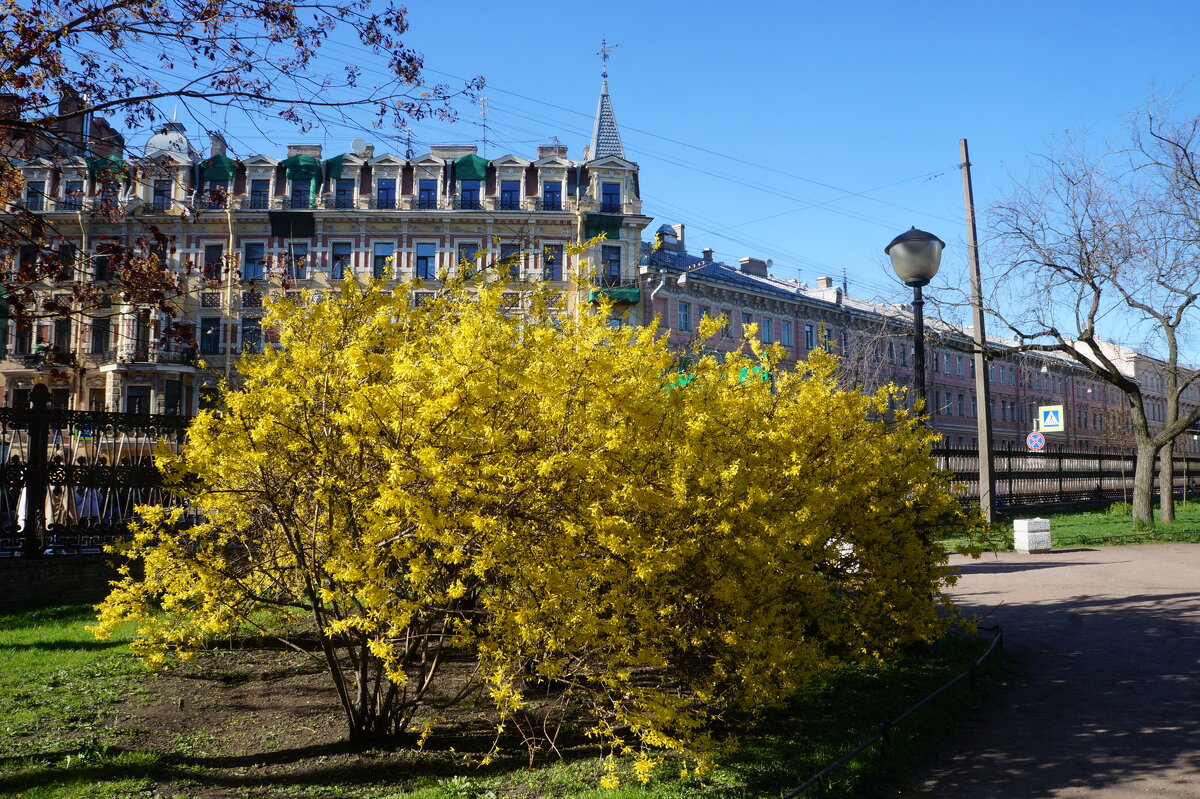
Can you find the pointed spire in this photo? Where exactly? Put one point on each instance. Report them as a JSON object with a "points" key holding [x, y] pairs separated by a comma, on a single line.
{"points": [[606, 138]]}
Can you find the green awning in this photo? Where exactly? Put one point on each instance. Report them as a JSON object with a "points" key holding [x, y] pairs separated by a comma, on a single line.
{"points": [[219, 167], [304, 167], [333, 167], [620, 295], [471, 167], [108, 167], [608, 224]]}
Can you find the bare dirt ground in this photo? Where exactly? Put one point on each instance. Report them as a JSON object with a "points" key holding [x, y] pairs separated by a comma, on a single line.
{"points": [[1106, 701]]}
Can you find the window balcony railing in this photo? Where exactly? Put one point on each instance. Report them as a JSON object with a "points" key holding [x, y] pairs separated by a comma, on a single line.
{"points": [[509, 204], [69, 204], [159, 205], [426, 203], [466, 204], [609, 207], [340, 203], [34, 203], [381, 203], [184, 356], [550, 204], [256, 203]]}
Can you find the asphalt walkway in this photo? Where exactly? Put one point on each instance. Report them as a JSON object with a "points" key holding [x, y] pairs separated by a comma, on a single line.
{"points": [[1106, 699]]}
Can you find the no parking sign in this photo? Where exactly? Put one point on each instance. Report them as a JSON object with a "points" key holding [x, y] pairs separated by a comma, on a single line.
{"points": [[1035, 440]]}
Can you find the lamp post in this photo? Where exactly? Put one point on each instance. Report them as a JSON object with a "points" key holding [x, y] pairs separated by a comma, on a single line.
{"points": [[916, 256]]}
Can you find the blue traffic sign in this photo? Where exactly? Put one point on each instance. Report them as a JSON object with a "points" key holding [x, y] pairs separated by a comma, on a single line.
{"points": [[1035, 440]]}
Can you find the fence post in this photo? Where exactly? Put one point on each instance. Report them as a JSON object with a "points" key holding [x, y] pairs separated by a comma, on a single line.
{"points": [[35, 471], [1062, 456]]}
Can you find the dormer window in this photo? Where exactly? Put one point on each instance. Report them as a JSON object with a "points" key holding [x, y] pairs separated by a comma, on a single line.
{"points": [[552, 195], [510, 195], [610, 198], [385, 193], [161, 199], [301, 194], [260, 194], [469, 194], [343, 193], [35, 195], [72, 195], [427, 194]]}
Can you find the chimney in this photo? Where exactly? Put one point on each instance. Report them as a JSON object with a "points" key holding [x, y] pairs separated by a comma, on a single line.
{"points": [[452, 151], [104, 139], [754, 266], [217, 145], [548, 150], [707, 254], [679, 235], [304, 149], [824, 282], [369, 151]]}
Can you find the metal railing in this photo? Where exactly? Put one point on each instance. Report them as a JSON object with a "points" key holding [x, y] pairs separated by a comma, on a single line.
{"points": [[1044, 478], [70, 481]]}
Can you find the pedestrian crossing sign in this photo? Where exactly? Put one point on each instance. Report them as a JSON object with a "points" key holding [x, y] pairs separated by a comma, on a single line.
{"points": [[1050, 419]]}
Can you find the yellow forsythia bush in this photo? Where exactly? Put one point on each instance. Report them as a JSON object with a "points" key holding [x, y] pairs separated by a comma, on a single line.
{"points": [[549, 496]]}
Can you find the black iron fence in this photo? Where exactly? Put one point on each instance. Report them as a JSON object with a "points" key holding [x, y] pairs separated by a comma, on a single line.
{"points": [[70, 480], [1040, 478]]}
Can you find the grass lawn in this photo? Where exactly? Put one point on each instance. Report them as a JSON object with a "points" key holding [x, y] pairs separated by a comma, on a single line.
{"points": [[1111, 526], [81, 718]]}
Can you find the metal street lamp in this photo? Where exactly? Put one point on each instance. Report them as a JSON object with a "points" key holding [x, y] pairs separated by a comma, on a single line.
{"points": [[916, 256]]}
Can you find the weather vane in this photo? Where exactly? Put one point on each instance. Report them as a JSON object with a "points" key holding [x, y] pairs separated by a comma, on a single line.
{"points": [[605, 49]]}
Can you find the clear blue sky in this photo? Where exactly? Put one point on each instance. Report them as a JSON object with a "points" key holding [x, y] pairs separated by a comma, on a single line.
{"points": [[809, 133]]}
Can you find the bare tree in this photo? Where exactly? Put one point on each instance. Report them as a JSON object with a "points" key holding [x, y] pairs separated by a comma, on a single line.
{"points": [[1107, 248]]}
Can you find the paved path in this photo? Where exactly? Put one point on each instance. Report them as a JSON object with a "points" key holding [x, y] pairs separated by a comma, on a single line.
{"points": [[1106, 701]]}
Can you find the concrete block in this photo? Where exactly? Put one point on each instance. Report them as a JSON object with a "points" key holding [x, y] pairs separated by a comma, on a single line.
{"points": [[1031, 536]]}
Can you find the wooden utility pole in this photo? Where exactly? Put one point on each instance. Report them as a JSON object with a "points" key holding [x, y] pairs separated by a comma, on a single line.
{"points": [[983, 402]]}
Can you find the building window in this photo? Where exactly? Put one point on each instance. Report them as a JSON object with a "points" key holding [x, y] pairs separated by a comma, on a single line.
{"points": [[958, 366], [254, 261], [685, 316], [510, 195], [301, 194], [339, 260], [510, 260], [385, 193], [297, 261], [426, 261], [137, 399], [216, 195], [745, 323], [610, 258], [213, 256], [343, 193], [767, 333], [610, 198], [62, 335], [72, 195], [101, 334], [468, 254], [469, 194], [67, 255], [252, 335], [962, 405], [383, 255], [810, 337], [552, 260], [727, 315], [161, 199], [552, 195], [426, 194], [904, 355], [35, 195], [260, 194], [210, 335], [785, 333]]}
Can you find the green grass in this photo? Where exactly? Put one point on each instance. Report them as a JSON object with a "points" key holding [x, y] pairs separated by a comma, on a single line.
{"points": [[62, 736], [1112, 526]]}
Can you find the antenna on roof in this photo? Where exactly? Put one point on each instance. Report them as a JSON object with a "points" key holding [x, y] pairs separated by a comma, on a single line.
{"points": [[483, 112], [408, 146], [845, 283]]}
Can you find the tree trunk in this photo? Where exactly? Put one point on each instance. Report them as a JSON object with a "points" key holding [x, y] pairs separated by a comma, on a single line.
{"points": [[1166, 482], [1143, 486]]}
